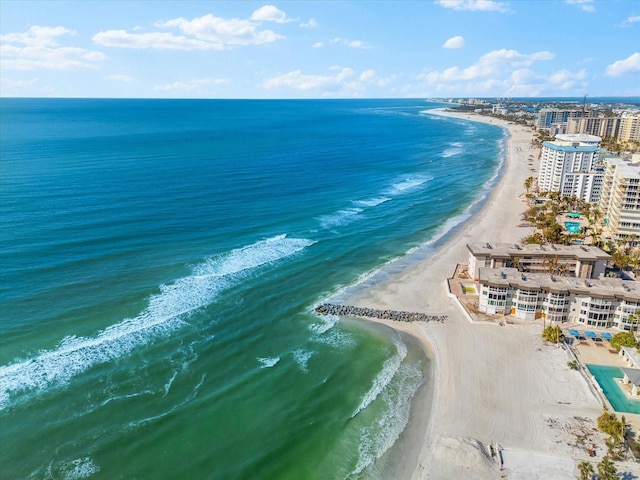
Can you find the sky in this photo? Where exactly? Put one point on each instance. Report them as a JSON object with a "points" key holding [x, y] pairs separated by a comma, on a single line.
{"points": [[319, 49]]}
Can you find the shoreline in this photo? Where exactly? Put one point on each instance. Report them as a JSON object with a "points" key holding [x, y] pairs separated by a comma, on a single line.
{"points": [[491, 385]]}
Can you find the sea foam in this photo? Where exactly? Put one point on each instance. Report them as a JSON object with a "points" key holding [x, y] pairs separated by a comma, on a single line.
{"points": [[302, 359], [377, 438], [372, 202], [409, 184], [165, 313], [340, 218], [389, 370], [268, 362], [450, 152]]}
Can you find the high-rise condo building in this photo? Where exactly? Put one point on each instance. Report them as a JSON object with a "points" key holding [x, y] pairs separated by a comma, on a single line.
{"points": [[568, 166], [556, 119], [620, 199], [605, 127], [629, 127]]}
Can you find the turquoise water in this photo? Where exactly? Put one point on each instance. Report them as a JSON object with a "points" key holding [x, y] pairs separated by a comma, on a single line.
{"points": [[605, 376], [572, 227], [161, 261]]}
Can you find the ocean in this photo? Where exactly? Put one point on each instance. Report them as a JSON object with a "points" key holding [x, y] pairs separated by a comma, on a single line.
{"points": [[161, 260]]}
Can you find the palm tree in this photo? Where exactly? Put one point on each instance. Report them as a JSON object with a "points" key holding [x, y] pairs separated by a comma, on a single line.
{"points": [[607, 470], [586, 470], [527, 183], [623, 431], [633, 319], [516, 263]]}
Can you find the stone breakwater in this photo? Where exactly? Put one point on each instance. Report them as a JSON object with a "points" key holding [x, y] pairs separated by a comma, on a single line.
{"points": [[333, 309]]}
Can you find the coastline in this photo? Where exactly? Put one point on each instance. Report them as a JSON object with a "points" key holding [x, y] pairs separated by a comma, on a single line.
{"points": [[490, 385]]}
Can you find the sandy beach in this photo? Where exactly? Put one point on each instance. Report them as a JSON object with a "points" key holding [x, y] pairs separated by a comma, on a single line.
{"points": [[494, 386]]}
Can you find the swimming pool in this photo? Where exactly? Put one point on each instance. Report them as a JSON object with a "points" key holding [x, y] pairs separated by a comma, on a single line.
{"points": [[605, 376], [572, 227]]}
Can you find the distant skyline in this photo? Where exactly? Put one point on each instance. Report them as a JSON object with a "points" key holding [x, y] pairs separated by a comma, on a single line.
{"points": [[320, 49]]}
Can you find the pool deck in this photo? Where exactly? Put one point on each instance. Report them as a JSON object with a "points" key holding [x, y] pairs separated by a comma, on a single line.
{"points": [[590, 352]]}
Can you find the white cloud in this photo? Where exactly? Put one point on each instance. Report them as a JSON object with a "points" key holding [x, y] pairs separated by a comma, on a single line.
{"points": [[491, 64], [503, 73], [454, 42], [201, 33], [585, 5], [121, 78], [300, 81], [37, 36], [527, 83], [485, 5], [270, 13], [8, 83], [312, 23], [38, 48], [344, 81], [191, 85], [160, 40], [357, 44], [368, 75], [631, 20], [631, 64], [350, 43], [231, 32], [564, 80], [318, 45]]}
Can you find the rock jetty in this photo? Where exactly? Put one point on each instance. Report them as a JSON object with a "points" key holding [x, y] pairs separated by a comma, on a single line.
{"points": [[333, 309]]}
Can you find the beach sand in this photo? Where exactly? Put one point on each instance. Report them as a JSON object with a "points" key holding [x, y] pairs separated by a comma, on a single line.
{"points": [[492, 385]]}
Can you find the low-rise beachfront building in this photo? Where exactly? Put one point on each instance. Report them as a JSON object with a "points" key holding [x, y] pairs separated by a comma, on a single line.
{"points": [[632, 378], [574, 260], [630, 355], [596, 303]]}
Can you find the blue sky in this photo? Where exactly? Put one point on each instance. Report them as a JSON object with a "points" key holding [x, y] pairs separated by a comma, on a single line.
{"points": [[320, 49]]}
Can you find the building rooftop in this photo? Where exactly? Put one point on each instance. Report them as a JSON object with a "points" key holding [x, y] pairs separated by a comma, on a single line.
{"points": [[570, 146], [624, 168], [578, 137], [584, 252], [607, 288]]}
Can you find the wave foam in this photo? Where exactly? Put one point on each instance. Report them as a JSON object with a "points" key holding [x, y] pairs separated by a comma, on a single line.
{"points": [[409, 184], [450, 152], [377, 438], [164, 314], [268, 362], [389, 370], [79, 468], [340, 218], [302, 359], [372, 202], [328, 321]]}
